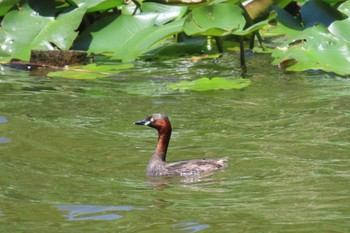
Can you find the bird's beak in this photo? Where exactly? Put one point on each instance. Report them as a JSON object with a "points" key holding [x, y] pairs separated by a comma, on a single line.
{"points": [[142, 122]]}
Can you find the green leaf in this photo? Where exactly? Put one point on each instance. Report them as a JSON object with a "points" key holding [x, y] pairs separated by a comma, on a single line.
{"points": [[91, 71], [256, 26], [165, 13], [98, 5], [206, 84], [73, 74], [341, 29], [288, 23], [6, 5], [35, 26], [147, 40], [221, 19], [127, 36], [318, 48], [171, 50], [214, 20], [345, 8], [110, 69]]}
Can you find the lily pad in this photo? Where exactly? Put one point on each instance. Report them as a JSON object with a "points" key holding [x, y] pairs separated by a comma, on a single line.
{"points": [[91, 71], [98, 5], [317, 48], [107, 69], [221, 19], [345, 8], [166, 13], [73, 74], [256, 26], [127, 36], [35, 26], [206, 84], [215, 20], [6, 5]]}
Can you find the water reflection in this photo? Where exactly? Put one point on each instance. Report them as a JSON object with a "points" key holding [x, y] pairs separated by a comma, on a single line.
{"points": [[190, 226], [162, 182], [4, 139], [3, 119], [93, 212], [199, 182]]}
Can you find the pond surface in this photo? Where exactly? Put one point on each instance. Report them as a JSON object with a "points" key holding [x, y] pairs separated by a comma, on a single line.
{"points": [[72, 161]]}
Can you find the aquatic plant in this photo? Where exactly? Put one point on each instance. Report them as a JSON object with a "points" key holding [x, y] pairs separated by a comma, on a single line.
{"points": [[316, 33]]}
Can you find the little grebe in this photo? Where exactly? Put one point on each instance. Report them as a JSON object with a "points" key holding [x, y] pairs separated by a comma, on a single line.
{"points": [[157, 165]]}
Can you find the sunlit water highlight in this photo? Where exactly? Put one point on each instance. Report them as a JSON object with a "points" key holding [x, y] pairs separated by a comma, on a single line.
{"points": [[71, 160]]}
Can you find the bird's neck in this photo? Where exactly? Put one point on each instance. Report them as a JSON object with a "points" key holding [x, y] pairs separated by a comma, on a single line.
{"points": [[164, 135]]}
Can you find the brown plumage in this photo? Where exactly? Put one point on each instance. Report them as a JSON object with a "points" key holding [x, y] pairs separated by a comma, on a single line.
{"points": [[158, 166]]}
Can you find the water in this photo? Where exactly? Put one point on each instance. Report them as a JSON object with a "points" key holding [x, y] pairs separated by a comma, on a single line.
{"points": [[71, 160]]}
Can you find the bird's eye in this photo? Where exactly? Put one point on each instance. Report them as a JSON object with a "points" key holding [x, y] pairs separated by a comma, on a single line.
{"points": [[151, 120]]}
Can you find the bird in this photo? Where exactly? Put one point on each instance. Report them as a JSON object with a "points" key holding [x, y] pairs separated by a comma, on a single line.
{"points": [[158, 167]]}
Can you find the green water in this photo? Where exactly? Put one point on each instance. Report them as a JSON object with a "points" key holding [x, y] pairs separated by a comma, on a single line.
{"points": [[72, 161]]}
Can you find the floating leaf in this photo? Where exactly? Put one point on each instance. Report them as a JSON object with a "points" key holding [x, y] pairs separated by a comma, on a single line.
{"points": [[107, 69], [206, 84], [73, 74], [91, 71]]}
